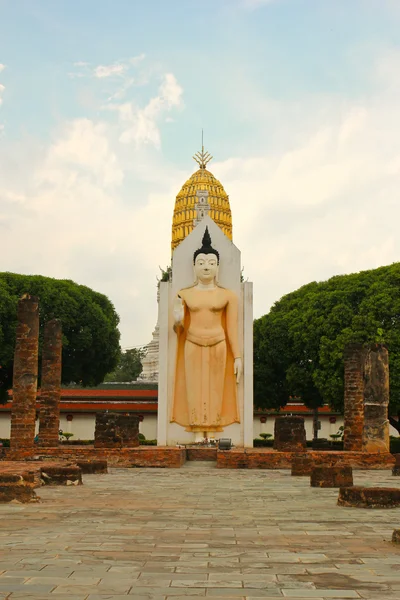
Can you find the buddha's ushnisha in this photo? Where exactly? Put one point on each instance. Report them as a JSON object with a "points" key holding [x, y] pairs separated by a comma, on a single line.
{"points": [[208, 365]]}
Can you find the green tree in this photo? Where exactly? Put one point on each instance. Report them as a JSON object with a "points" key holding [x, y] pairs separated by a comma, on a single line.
{"points": [[298, 345], [165, 273], [90, 326], [129, 366]]}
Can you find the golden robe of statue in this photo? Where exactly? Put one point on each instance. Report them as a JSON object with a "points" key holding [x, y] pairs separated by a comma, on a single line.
{"points": [[205, 397]]}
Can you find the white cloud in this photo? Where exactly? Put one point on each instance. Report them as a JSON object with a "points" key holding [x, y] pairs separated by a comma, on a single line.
{"points": [[90, 225], [118, 69], [143, 122], [323, 201], [170, 91], [2, 67], [2, 88], [118, 75], [109, 70], [135, 60], [83, 147], [329, 204]]}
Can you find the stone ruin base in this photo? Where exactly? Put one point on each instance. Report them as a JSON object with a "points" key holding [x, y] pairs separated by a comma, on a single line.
{"points": [[367, 497], [331, 477], [90, 467], [17, 487], [396, 536], [236, 458], [266, 458], [61, 475], [396, 468], [206, 454], [289, 434]]}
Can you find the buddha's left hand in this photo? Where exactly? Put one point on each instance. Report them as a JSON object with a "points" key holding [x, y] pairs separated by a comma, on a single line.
{"points": [[238, 368]]}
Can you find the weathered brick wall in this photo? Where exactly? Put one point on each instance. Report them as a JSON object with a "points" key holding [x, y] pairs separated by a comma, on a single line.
{"points": [[301, 464], [142, 456], [116, 430], [49, 415], [270, 459], [23, 412], [353, 397], [208, 454], [289, 434], [376, 399], [251, 458]]}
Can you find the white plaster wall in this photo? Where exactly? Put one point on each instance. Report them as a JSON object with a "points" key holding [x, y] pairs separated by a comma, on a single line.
{"points": [[326, 430], [82, 427], [149, 427], [5, 425]]}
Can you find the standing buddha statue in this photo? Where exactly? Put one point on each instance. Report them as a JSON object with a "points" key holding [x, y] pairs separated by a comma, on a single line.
{"points": [[208, 363]]}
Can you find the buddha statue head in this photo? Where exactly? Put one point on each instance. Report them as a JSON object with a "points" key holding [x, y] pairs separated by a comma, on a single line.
{"points": [[206, 261]]}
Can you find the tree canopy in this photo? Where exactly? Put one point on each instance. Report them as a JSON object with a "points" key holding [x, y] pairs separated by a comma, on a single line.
{"points": [[298, 345], [129, 366], [89, 321]]}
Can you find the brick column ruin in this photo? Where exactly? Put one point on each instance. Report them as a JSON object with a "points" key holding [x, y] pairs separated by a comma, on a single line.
{"points": [[116, 430], [289, 434], [49, 416], [353, 398], [23, 411], [376, 399]]}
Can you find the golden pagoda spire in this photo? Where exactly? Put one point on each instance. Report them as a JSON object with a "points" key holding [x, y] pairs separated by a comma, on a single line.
{"points": [[202, 158], [185, 212]]}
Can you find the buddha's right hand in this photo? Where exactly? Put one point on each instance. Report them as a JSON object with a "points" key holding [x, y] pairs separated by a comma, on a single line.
{"points": [[178, 310]]}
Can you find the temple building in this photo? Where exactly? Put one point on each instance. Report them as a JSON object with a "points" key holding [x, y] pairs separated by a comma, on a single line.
{"points": [[201, 195], [78, 408]]}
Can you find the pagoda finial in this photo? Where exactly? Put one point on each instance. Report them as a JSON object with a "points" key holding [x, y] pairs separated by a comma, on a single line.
{"points": [[202, 158]]}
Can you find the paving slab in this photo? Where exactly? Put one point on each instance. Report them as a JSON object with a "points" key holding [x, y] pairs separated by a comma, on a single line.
{"points": [[159, 534]]}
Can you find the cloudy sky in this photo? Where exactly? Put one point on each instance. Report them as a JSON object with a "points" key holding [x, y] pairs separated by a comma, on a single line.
{"points": [[101, 108]]}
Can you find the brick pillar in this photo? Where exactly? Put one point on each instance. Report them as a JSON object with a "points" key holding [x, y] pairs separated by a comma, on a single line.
{"points": [[353, 397], [376, 399], [23, 411], [49, 416]]}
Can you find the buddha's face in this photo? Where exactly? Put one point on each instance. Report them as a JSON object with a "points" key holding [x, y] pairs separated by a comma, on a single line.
{"points": [[206, 267]]}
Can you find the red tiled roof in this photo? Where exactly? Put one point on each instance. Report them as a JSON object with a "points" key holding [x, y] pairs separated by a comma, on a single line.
{"points": [[110, 393], [73, 393], [92, 400]]}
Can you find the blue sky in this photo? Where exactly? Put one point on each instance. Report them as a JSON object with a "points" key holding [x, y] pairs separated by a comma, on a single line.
{"points": [[102, 105], [215, 48]]}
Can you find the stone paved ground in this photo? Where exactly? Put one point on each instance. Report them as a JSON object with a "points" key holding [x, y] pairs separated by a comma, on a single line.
{"points": [[198, 531]]}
